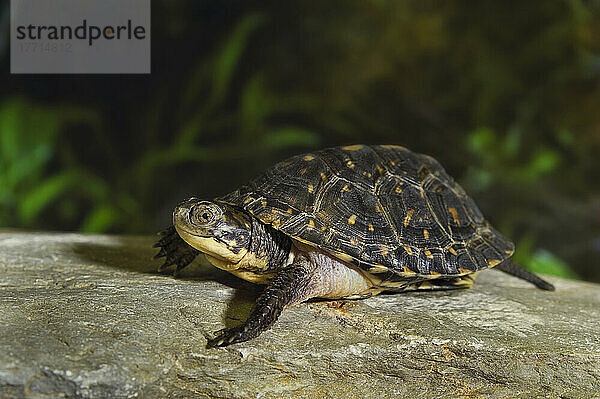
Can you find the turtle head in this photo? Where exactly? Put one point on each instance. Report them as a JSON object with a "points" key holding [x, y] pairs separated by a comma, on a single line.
{"points": [[220, 231]]}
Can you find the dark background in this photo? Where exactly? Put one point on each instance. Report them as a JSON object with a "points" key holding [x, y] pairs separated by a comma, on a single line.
{"points": [[504, 94]]}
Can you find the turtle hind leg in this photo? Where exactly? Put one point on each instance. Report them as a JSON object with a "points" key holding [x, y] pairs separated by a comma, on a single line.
{"points": [[518, 271], [176, 251]]}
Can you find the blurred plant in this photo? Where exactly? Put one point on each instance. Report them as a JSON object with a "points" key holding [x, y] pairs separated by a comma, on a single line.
{"points": [[225, 118], [40, 188], [506, 160], [507, 165], [204, 110]]}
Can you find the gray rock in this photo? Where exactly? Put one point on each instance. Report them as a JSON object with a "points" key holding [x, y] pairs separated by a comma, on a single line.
{"points": [[87, 316]]}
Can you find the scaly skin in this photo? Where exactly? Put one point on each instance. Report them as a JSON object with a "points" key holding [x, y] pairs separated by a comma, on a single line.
{"points": [[269, 244], [176, 251], [292, 285]]}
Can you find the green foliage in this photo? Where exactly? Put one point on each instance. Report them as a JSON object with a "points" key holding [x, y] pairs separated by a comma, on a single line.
{"points": [[541, 260], [504, 164], [230, 54], [27, 145], [251, 120], [506, 160], [38, 187], [289, 137], [23, 153]]}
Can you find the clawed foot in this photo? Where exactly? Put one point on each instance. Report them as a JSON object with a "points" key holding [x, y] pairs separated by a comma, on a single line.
{"points": [[175, 250], [287, 286], [228, 336]]}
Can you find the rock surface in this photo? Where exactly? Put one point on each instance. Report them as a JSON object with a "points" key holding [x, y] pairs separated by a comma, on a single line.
{"points": [[87, 316]]}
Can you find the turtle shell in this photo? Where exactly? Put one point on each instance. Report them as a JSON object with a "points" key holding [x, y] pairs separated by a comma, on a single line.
{"points": [[383, 208]]}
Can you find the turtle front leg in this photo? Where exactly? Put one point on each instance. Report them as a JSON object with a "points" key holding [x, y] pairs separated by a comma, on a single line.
{"points": [[292, 285], [176, 251]]}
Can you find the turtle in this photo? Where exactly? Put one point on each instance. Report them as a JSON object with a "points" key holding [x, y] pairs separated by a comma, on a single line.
{"points": [[340, 223]]}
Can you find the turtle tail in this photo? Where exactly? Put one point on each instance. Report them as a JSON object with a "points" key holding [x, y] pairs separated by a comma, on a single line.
{"points": [[518, 271]]}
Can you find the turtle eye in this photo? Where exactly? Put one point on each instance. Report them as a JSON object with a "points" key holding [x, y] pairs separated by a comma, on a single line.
{"points": [[204, 214]]}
